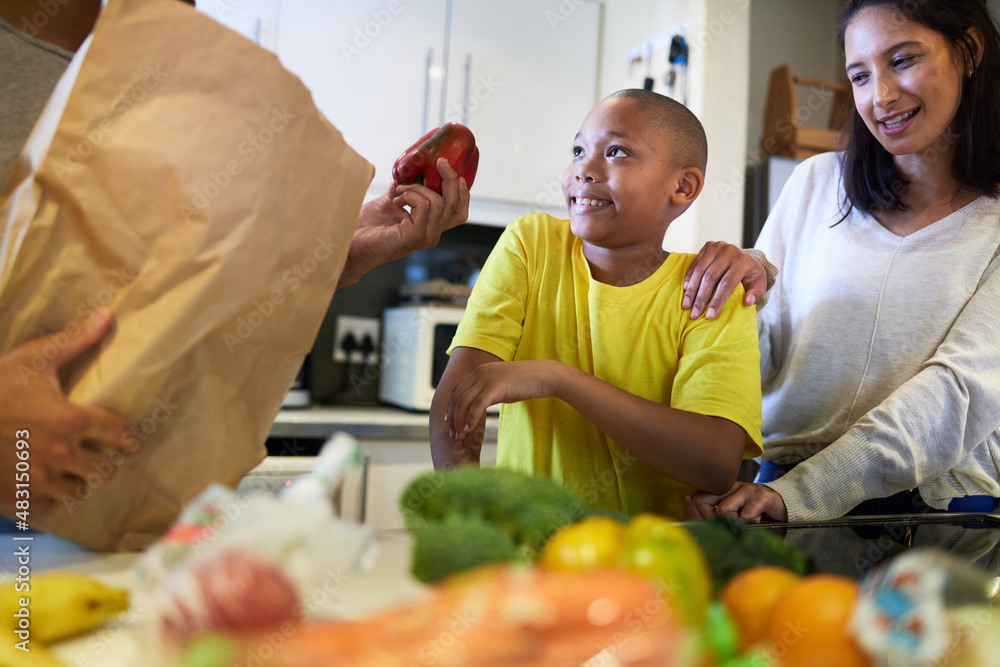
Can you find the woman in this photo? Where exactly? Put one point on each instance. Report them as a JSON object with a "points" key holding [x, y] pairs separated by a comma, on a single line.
{"points": [[880, 346]]}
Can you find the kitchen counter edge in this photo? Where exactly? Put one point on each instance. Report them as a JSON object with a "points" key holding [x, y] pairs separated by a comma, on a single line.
{"points": [[365, 422]]}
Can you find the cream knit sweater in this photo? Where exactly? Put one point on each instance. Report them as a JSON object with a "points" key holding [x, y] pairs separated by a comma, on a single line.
{"points": [[880, 354]]}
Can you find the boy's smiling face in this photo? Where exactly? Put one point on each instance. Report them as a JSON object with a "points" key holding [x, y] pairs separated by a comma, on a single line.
{"points": [[621, 184]]}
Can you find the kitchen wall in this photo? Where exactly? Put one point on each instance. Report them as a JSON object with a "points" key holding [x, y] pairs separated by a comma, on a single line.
{"points": [[797, 33], [717, 32], [802, 34]]}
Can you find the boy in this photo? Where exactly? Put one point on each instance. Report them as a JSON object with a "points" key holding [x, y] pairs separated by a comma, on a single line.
{"points": [[576, 326]]}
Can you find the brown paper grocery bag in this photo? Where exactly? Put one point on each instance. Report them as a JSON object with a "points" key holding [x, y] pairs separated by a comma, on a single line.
{"points": [[193, 186]]}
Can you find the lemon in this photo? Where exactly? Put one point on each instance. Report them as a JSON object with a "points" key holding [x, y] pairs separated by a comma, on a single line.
{"points": [[588, 544]]}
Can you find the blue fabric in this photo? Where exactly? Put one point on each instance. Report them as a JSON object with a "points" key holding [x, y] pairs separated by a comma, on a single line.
{"points": [[770, 471], [904, 502]]}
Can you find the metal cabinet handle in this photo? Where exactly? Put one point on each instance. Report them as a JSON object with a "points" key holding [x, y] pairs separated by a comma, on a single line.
{"points": [[467, 88], [427, 90]]}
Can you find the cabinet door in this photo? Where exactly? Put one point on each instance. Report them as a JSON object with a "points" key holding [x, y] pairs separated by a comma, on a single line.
{"points": [[256, 20], [373, 66], [522, 75]]}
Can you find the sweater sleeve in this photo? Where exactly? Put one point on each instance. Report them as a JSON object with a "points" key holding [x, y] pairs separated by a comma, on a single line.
{"points": [[921, 430]]}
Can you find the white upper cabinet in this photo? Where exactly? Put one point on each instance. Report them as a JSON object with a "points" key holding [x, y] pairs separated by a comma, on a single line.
{"points": [[521, 74], [374, 68], [256, 20]]}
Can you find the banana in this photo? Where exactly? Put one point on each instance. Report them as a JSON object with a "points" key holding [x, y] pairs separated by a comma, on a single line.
{"points": [[38, 656], [60, 605]]}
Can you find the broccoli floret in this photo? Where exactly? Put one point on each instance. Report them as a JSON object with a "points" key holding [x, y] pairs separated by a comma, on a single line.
{"points": [[731, 547], [528, 509], [459, 544]]}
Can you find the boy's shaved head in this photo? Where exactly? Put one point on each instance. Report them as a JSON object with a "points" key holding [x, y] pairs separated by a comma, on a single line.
{"points": [[675, 122]]}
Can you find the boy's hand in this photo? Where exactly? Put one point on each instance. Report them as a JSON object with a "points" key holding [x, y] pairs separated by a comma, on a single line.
{"points": [[387, 231], [714, 274], [746, 501], [497, 382]]}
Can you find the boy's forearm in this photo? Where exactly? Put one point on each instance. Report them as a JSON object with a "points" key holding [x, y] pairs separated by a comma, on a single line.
{"points": [[697, 450], [446, 451]]}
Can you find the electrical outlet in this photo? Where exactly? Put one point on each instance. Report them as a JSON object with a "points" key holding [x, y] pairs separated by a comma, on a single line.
{"points": [[356, 339]]}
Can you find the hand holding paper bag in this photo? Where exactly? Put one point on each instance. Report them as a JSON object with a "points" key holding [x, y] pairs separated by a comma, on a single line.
{"points": [[191, 185], [55, 448]]}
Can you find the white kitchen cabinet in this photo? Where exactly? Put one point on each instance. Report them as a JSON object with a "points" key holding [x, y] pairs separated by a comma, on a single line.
{"points": [[522, 76], [520, 73], [256, 20], [392, 466], [374, 69]]}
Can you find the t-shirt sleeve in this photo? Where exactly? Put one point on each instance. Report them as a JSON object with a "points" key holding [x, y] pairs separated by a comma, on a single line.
{"points": [[494, 315], [718, 373]]}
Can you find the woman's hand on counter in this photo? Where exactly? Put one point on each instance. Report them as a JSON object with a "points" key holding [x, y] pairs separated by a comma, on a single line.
{"points": [[747, 501], [63, 442]]}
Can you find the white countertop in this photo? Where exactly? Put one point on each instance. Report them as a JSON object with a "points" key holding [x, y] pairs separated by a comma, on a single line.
{"points": [[126, 640], [375, 422]]}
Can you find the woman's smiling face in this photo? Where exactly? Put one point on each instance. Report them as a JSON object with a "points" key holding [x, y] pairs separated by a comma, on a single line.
{"points": [[907, 81]]}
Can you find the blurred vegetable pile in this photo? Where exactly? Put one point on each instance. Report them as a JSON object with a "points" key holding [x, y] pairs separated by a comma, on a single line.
{"points": [[473, 516]]}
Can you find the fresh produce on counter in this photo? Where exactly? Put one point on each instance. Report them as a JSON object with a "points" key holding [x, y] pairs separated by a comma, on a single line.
{"points": [[418, 163], [648, 545], [235, 592], [495, 616], [443, 510], [58, 605], [39, 656], [732, 547], [809, 624], [750, 595], [244, 564], [926, 607]]}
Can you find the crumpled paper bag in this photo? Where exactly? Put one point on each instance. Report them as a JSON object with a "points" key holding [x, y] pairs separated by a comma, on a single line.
{"points": [[192, 185]]}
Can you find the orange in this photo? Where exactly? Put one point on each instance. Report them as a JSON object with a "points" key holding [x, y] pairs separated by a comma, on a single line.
{"points": [[808, 625], [750, 596]]}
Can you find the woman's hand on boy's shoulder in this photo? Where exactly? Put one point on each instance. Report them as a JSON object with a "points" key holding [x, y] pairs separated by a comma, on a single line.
{"points": [[747, 501], [714, 274]]}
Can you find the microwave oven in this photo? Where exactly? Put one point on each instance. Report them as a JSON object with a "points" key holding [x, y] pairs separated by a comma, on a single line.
{"points": [[415, 341]]}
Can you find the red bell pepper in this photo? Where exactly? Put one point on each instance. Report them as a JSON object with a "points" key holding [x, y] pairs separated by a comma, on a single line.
{"points": [[418, 163]]}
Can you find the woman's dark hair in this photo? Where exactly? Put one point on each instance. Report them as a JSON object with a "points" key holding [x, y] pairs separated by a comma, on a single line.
{"points": [[871, 180]]}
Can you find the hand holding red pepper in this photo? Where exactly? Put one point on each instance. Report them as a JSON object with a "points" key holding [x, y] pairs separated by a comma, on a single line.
{"points": [[386, 230], [452, 141]]}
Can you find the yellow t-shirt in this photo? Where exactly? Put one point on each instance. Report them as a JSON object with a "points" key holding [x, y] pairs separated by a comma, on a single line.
{"points": [[535, 299]]}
